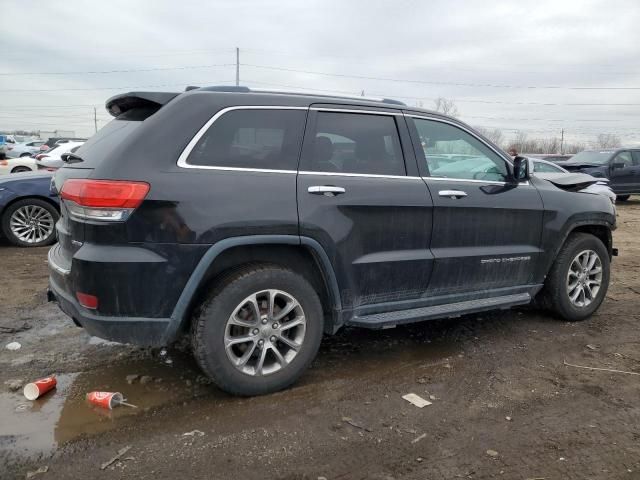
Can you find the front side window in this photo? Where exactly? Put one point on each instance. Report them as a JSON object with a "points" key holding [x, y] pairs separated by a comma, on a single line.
{"points": [[624, 158], [252, 138], [355, 143], [544, 167], [450, 152]]}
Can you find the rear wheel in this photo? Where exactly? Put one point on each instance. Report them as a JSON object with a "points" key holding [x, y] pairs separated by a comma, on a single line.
{"points": [[30, 223], [622, 198], [258, 331], [20, 169], [579, 278]]}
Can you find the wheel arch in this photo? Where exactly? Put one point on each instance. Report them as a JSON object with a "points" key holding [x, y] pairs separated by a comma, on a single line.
{"points": [[27, 197], [305, 255]]}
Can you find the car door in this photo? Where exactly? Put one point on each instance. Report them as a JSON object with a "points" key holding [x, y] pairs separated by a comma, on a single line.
{"points": [[624, 172], [366, 207], [486, 227]]}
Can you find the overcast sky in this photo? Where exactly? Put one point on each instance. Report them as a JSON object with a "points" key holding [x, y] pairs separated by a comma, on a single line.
{"points": [[492, 58]]}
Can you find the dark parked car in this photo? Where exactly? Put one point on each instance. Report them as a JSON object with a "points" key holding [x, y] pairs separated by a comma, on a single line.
{"points": [[621, 166], [28, 209], [256, 222]]}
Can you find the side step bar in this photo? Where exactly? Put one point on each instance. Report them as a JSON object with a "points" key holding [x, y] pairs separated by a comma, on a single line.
{"points": [[391, 319]]}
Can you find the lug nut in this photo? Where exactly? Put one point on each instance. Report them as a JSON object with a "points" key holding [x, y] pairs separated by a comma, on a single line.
{"points": [[273, 338], [264, 320], [275, 325], [260, 343], [255, 331]]}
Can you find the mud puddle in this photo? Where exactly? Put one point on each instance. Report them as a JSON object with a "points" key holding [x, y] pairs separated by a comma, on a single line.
{"points": [[35, 429]]}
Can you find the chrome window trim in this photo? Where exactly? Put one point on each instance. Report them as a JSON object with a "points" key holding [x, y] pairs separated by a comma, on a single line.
{"points": [[365, 175], [466, 180], [353, 110], [182, 159]]}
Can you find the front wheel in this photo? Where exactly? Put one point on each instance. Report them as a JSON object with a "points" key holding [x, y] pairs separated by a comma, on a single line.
{"points": [[20, 169], [258, 331], [30, 223], [579, 278]]}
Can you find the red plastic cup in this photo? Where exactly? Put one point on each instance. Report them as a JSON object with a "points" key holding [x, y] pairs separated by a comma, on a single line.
{"points": [[34, 390], [105, 399]]}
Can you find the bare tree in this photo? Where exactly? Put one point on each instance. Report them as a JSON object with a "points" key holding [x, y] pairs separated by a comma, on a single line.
{"points": [[446, 106], [495, 134], [607, 140]]}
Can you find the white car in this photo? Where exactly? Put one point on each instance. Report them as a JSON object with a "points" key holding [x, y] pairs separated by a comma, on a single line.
{"points": [[52, 159], [25, 149], [17, 165]]}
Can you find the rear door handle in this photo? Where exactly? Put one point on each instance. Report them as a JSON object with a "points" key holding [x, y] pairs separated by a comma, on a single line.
{"points": [[327, 190], [452, 193]]}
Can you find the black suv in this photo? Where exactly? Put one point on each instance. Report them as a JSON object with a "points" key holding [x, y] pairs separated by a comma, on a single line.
{"points": [[621, 166], [255, 222]]}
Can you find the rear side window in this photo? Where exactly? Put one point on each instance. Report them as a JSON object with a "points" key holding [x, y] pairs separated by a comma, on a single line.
{"points": [[265, 139], [355, 143]]}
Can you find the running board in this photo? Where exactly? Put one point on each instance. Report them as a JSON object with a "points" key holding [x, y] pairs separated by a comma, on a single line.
{"points": [[391, 319]]}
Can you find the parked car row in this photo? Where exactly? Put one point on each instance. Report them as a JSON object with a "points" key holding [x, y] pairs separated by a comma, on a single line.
{"points": [[29, 156]]}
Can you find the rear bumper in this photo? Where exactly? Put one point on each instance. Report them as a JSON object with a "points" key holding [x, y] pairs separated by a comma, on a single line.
{"points": [[135, 330]]}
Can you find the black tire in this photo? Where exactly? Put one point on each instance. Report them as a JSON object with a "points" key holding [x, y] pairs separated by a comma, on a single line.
{"points": [[210, 322], [26, 154], [6, 219], [554, 295], [622, 198], [20, 169]]}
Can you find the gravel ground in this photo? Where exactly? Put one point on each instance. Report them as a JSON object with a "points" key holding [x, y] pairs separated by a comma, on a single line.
{"points": [[504, 404]]}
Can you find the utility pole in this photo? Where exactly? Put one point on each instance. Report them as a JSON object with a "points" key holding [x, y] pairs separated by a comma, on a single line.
{"points": [[95, 119], [362, 94], [237, 66], [562, 142]]}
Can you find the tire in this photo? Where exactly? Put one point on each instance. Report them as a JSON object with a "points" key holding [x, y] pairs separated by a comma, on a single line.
{"points": [[26, 154], [211, 330], [555, 295], [622, 198], [44, 212], [20, 169]]}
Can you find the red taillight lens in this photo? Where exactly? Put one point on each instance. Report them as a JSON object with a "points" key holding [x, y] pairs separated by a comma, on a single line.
{"points": [[87, 301], [104, 193]]}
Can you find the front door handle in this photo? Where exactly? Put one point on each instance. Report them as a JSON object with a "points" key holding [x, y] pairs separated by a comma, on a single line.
{"points": [[452, 193], [326, 190]]}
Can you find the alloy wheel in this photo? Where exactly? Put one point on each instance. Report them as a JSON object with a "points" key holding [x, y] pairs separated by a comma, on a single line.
{"points": [[584, 278], [32, 224]]}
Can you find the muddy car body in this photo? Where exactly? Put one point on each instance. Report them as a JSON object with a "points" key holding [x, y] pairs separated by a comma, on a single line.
{"points": [[256, 222]]}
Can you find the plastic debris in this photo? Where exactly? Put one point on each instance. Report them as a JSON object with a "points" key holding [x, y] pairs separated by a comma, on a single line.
{"points": [[416, 400], [13, 346], [350, 421], [33, 473], [193, 433], [117, 456], [492, 453], [107, 400], [35, 390], [418, 438], [132, 378]]}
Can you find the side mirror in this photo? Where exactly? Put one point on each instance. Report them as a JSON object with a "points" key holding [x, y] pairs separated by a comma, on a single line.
{"points": [[521, 169], [65, 157], [616, 165]]}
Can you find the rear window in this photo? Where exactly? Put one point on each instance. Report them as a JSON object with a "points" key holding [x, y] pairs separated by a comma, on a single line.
{"points": [[102, 144], [596, 157], [265, 139]]}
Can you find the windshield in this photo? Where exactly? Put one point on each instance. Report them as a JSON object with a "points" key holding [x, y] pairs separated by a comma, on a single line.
{"points": [[599, 157]]}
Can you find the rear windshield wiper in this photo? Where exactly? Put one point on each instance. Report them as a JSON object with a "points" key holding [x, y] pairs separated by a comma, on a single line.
{"points": [[71, 158]]}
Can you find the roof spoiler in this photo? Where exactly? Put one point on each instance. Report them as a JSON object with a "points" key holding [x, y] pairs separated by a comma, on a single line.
{"points": [[126, 101]]}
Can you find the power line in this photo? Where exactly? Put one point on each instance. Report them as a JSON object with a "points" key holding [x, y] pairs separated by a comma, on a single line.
{"points": [[386, 95], [155, 69], [425, 82], [110, 88]]}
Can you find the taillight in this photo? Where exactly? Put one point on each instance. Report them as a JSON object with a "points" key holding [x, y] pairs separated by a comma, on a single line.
{"points": [[102, 200], [87, 301]]}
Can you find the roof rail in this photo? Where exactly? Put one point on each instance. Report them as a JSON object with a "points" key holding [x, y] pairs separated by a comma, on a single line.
{"points": [[242, 89]]}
